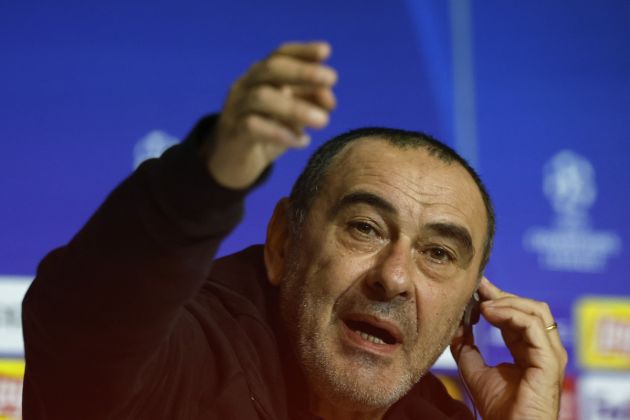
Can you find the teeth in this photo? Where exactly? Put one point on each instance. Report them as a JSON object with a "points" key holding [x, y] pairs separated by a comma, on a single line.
{"points": [[369, 337]]}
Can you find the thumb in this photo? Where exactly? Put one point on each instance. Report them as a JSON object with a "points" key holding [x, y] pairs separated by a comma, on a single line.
{"points": [[467, 356]]}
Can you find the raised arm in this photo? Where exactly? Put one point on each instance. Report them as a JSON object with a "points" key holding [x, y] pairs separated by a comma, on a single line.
{"points": [[102, 308]]}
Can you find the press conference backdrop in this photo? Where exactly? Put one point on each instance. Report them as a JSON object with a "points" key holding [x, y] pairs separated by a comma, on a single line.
{"points": [[535, 94]]}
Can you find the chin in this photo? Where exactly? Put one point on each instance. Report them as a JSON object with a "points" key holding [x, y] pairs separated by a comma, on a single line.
{"points": [[357, 382]]}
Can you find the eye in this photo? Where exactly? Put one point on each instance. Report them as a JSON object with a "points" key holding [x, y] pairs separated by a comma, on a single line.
{"points": [[439, 255], [363, 229]]}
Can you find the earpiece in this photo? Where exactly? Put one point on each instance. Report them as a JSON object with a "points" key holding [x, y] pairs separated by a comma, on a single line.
{"points": [[472, 312]]}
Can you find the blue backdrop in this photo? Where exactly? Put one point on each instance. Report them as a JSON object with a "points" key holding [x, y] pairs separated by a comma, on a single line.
{"points": [[536, 94]]}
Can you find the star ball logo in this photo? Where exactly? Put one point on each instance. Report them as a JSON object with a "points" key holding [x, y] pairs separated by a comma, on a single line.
{"points": [[571, 244]]}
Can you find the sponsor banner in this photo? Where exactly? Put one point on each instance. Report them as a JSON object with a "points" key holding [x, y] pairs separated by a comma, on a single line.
{"points": [[568, 400], [11, 379], [453, 385], [12, 290], [603, 333], [604, 396]]}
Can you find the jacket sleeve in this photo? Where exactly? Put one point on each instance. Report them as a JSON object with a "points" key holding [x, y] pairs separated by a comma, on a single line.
{"points": [[101, 306]]}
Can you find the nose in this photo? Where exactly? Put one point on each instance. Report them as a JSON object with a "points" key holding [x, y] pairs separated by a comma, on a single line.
{"points": [[392, 276]]}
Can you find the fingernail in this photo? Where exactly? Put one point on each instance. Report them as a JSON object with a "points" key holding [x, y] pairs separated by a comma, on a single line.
{"points": [[304, 140], [327, 76], [317, 117], [324, 50]]}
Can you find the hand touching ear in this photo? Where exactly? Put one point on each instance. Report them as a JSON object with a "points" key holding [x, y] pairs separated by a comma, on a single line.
{"points": [[530, 386]]}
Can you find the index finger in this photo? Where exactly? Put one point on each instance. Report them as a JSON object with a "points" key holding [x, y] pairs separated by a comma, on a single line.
{"points": [[489, 291], [283, 70], [309, 51]]}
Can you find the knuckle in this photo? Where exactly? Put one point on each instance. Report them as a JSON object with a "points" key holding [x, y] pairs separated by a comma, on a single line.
{"points": [[237, 84], [259, 95], [250, 123], [281, 133], [544, 307], [260, 65], [271, 64], [276, 132], [254, 69], [236, 87], [297, 112], [256, 96], [307, 73], [260, 69]]}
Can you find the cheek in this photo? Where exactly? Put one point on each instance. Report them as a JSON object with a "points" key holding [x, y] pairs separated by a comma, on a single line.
{"points": [[330, 268], [329, 276], [438, 305]]}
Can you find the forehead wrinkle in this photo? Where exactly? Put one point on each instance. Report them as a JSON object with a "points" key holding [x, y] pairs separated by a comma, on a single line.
{"points": [[411, 188], [348, 157], [440, 196], [363, 197], [372, 182], [421, 185], [423, 189]]}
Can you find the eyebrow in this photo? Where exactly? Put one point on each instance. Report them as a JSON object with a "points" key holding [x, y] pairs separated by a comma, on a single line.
{"points": [[363, 197], [456, 232], [449, 230]]}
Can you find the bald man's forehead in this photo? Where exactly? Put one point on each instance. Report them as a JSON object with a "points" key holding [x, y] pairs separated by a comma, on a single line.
{"points": [[380, 160]]}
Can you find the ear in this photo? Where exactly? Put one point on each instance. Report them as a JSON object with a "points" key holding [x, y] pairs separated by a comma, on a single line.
{"points": [[277, 242]]}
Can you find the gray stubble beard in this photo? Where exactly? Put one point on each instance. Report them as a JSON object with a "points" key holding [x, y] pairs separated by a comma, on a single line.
{"points": [[340, 387], [317, 365]]}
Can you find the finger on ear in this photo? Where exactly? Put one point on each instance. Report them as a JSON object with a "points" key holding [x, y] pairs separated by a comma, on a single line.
{"points": [[489, 290], [467, 356], [276, 242]]}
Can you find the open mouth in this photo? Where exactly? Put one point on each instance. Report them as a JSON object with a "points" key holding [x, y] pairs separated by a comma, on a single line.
{"points": [[372, 333]]}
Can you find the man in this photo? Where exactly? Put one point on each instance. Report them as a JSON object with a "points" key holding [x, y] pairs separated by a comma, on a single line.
{"points": [[362, 282]]}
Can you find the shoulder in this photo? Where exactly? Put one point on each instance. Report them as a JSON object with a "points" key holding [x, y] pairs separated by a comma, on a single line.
{"points": [[238, 284]]}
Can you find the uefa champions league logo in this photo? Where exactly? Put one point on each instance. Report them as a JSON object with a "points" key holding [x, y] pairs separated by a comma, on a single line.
{"points": [[571, 244], [569, 184]]}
